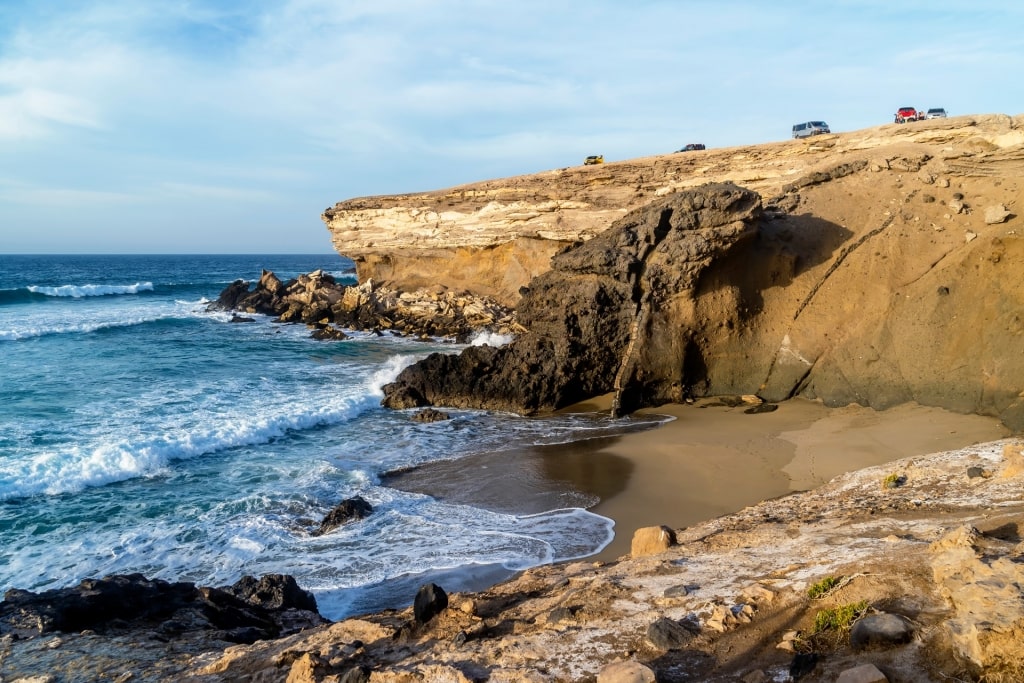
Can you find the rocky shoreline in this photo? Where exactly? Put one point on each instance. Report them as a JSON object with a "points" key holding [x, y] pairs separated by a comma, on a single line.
{"points": [[924, 556], [329, 308]]}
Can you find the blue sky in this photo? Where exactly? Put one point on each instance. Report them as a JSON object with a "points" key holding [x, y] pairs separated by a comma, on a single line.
{"points": [[203, 126]]}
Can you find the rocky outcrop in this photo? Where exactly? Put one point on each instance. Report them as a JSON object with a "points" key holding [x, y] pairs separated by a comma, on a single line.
{"points": [[329, 307], [493, 237], [830, 293], [251, 609], [935, 564], [592, 320]]}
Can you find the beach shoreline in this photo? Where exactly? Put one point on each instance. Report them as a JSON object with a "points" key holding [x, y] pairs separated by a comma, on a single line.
{"points": [[705, 460]]}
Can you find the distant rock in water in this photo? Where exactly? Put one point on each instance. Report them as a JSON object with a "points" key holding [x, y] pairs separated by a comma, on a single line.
{"points": [[430, 415], [327, 307], [348, 510]]}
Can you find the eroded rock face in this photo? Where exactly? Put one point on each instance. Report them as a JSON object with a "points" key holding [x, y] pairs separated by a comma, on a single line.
{"points": [[591, 319]]}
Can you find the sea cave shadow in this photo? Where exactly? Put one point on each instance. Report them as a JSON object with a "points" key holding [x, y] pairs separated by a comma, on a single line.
{"points": [[783, 250]]}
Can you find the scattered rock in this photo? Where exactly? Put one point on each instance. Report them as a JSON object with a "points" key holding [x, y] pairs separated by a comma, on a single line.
{"points": [[430, 601], [626, 672], [996, 214], [762, 408], [1013, 456], [430, 415], [357, 675], [970, 236], [350, 509], [680, 591], [880, 630], [652, 540], [976, 472], [865, 673], [667, 634]]}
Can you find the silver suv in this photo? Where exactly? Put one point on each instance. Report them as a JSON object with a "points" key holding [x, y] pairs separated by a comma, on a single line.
{"points": [[806, 130], [937, 113]]}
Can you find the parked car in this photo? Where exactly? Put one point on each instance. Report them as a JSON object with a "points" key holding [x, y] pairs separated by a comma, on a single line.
{"points": [[693, 147], [904, 114], [937, 113], [806, 130], [594, 159]]}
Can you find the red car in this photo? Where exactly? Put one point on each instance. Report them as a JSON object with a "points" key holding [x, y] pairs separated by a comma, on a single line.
{"points": [[904, 114]]}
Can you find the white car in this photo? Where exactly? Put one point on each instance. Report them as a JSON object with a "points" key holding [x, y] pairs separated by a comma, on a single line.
{"points": [[937, 113]]}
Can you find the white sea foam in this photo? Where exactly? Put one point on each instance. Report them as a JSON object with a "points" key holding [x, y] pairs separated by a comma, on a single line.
{"points": [[491, 339], [79, 291], [77, 467], [388, 372]]}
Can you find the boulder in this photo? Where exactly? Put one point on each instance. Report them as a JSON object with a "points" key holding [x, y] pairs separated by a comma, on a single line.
{"points": [[430, 601], [996, 214], [652, 540], [350, 509], [668, 634], [865, 673], [626, 672], [880, 630]]}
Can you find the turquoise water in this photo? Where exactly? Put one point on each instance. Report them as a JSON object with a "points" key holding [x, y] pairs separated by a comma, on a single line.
{"points": [[141, 433]]}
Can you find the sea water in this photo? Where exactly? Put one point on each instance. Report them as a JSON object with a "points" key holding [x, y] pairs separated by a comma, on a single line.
{"points": [[142, 432]]}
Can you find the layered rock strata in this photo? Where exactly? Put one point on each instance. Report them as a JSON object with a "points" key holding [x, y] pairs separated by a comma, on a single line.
{"points": [[494, 236], [704, 293]]}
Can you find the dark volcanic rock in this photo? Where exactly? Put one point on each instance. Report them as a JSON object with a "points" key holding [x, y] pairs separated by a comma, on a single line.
{"points": [[666, 634], [430, 601], [430, 415], [605, 318], [250, 610], [354, 508], [272, 592]]}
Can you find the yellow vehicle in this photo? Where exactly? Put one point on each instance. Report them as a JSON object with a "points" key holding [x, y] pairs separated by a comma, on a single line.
{"points": [[596, 159]]}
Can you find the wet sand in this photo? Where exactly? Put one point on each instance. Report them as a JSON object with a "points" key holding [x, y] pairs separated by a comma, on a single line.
{"points": [[714, 460], [710, 460]]}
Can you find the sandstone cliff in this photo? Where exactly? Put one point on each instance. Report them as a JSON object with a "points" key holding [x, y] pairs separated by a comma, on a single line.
{"points": [[492, 237], [883, 272]]}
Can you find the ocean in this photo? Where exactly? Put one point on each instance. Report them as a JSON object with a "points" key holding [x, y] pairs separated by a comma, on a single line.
{"points": [[140, 432]]}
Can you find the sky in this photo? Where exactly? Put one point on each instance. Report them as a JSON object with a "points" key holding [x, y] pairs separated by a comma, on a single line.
{"points": [[222, 126]]}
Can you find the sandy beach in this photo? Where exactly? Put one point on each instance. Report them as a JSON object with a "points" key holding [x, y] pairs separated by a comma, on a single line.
{"points": [[709, 460], [712, 459]]}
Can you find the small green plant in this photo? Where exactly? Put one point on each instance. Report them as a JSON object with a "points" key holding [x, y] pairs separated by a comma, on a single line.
{"points": [[839, 618], [823, 587], [893, 481]]}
